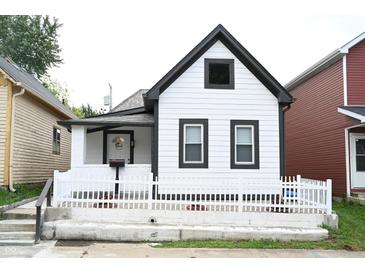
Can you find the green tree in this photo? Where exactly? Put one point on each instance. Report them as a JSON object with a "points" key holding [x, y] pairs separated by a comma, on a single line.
{"points": [[31, 41], [62, 94], [85, 111], [56, 88]]}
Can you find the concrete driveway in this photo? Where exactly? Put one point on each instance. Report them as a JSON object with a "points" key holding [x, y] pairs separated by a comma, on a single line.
{"points": [[85, 249]]}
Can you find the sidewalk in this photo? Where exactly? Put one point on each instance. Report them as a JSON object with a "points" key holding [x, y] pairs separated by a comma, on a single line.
{"points": [[84, 249]]}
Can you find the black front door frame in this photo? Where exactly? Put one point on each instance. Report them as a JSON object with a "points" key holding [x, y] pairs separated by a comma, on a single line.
{"points": [[105, 143]]}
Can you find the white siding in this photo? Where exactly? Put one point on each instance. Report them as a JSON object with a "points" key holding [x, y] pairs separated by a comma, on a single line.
{"points": [[142, 148], [250, 100], [94, 148]]}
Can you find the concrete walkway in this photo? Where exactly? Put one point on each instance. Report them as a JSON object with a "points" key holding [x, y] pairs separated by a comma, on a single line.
{"points": [[84, 249]]}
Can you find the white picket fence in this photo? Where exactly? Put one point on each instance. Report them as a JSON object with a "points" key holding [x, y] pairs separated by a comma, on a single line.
{"points": [[290, 195]]}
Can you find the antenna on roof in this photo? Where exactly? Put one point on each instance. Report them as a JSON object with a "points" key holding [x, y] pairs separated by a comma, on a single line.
{"points": [[108, 98]]}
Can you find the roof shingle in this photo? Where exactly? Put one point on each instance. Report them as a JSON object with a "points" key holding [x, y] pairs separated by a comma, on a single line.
{"points": [[30, 83], [133, 101]]}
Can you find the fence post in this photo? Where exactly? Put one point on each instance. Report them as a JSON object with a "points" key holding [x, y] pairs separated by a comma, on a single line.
{"points": [[55, 190], [329, 196], [299, 190], [240, 196], [150, 192], [299, 177]]}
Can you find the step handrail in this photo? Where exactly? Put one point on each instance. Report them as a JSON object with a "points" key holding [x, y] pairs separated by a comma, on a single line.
{"points": [[46, 193]]}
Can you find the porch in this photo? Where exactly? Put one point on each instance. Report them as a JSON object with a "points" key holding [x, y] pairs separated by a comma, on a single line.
{"points": [[121, 136], [355, 151]]}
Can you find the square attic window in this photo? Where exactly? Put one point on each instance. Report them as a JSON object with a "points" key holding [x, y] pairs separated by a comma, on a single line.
{"points": [[219, 73]]}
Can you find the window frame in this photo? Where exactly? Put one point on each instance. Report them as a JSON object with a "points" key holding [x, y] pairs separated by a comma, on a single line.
{"points": [[207, 62], [255, 163], [54, 141], [183, 123], [201, 143]]}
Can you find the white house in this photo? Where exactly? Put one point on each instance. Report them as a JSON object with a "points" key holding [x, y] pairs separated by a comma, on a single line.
{"points": [[218, 112], [207, 136]]}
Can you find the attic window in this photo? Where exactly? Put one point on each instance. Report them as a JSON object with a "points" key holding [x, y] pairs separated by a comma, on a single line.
{"points": [[219, 73]]}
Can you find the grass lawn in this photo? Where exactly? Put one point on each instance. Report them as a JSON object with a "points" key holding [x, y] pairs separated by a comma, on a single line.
{"points": [[22, 192], [350, 235]]}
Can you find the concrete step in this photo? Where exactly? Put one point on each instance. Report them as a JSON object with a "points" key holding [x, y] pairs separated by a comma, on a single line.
{"points": [[16, 242], [19, 213], [20, 235], [17, 225]]}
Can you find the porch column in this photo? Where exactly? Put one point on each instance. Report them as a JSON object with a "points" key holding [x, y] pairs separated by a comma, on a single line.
{"points": [[78, 145]]}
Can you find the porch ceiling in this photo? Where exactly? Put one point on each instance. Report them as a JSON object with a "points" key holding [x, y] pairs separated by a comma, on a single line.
{"points": [[140, 119]]}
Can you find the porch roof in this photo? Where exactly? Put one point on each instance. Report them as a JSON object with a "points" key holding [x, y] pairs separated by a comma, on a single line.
{"points": [[356, 112], [139, 119]]}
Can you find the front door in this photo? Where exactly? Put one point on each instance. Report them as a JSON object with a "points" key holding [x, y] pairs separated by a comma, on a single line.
{"points": [[117, 150], [357, 148]]}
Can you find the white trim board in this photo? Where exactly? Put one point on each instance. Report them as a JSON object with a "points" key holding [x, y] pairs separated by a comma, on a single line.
{"points": [[352, 114], [344, 76]]}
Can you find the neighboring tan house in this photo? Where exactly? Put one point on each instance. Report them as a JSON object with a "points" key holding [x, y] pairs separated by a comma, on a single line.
{"points": [[32, 145], [325, 133]]}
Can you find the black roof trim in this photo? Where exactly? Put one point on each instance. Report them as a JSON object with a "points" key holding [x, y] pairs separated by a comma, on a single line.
{"points": [[221, 34], [121, 112], [67, 123]]}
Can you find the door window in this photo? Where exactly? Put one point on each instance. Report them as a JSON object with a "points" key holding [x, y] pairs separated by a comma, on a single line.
{"points": [[360, 155]]}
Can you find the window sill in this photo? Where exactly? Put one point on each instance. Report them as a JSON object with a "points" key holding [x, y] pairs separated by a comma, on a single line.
{"points": [[249, 166], [202, 165], [212, 86]]}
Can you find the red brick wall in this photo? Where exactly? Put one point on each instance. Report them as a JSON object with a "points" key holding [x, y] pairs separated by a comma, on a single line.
{"points": [[315, 137], [356, 74]]}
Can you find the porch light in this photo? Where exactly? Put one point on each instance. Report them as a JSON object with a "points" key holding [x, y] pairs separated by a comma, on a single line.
{"points": [[118, 141]]}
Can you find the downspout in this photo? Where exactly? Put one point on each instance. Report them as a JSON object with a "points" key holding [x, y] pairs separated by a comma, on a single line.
{"points": [[11, 187], [282, 111]]}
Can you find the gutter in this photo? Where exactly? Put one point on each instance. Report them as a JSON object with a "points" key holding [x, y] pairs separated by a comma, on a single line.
{"points": [[316, 68], [11, 184]]}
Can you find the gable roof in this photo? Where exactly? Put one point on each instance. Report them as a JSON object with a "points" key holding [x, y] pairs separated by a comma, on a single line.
{"points": [[324, 63], [221, 34], [31, 84], [133, 101]]}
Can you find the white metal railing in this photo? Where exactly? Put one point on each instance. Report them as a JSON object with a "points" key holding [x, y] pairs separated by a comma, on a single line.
{"points": [[289, 195]]}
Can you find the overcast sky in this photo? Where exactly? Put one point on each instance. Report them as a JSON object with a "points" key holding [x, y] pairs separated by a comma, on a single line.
{"points": [[132, 44]]}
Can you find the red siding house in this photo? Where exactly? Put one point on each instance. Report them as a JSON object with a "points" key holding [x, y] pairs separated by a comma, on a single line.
{"points": [[325, 128]]}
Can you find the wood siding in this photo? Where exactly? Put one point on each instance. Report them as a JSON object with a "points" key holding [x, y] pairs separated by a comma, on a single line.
{"points": [[250, 100], [315, 135], [33, 160], [3, 110], [356, 74]]}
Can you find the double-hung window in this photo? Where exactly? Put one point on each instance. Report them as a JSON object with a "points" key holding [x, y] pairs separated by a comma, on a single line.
{"points": [[56, 145], [193, 147], [244, 144]]}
